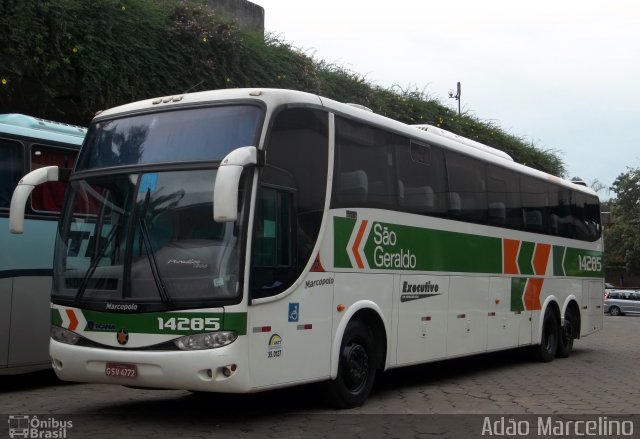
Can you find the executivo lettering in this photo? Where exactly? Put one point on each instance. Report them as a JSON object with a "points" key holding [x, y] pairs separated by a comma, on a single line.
{"points": [[411, 291]]}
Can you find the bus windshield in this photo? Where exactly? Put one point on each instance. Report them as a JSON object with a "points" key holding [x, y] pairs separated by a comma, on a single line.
{"points": [[146, 238], [197, 134]]}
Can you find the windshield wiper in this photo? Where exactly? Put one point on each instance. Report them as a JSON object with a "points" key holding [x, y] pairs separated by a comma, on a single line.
{"points": [[157, 277], [94, 264]]}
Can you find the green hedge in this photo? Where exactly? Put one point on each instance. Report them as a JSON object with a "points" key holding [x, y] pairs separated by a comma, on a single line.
{"points": [[67, 59]]}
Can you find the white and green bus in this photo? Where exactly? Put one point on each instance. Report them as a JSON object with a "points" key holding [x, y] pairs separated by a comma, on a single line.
{"points": [[28, 143], [244, 240]]}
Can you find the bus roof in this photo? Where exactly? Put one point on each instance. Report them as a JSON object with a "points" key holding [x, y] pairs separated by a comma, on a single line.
{"points": [[276, 97], [35, 128]]}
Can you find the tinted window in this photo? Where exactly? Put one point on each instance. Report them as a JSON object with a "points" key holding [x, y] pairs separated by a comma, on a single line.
{"points": [[11, 169], [561, 219], [364, 174], [290, 200], [467, 188], [421, 177], [184, 135], [534, 204], [49, 196], [503, 192], [586, 217], [273, 237], [592, 217]]}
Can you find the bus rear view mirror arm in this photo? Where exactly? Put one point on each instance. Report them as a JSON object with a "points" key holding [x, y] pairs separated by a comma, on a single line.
{"points": [[23, 190], [225, 191]]}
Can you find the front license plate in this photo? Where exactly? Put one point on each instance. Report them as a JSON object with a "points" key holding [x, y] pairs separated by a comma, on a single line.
{"points": [[121, 370]]}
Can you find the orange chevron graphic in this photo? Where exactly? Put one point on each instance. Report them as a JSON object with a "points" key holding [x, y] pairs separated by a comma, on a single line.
{"points": [[73, 320], [539, 262], [510, 248], [532, 294], [540, 258], [356, 243]]}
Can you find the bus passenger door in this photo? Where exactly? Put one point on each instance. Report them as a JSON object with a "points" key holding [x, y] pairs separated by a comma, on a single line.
{"points": [[422, 318]]}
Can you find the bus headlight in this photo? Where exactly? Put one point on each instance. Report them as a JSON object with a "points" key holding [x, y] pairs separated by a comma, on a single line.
{"points": [[209, 340], [64, 335]]}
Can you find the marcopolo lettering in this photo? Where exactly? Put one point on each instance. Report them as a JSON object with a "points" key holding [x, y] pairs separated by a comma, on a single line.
{"points": [[122, 306], [318, 282]]}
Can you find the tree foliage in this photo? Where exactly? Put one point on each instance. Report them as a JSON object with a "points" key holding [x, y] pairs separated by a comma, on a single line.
{"points": [[67, 59], [622, 238]]}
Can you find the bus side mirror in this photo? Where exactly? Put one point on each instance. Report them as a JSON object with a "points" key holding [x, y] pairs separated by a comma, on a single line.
{"points": [[23, 190], [225, 190]]}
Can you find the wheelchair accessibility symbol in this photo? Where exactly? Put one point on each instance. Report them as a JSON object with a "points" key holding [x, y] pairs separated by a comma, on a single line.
{"points": [[294, 312]]}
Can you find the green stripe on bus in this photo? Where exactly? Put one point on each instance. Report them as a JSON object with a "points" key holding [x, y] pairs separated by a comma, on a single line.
{"points": [[525, 257], [398, 247], [56, 317], [392, 246], [583, 263], [558, 255], [518, 285], [181, 323], [342, 229]]}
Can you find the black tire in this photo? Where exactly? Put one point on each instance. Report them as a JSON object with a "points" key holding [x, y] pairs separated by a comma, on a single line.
{"points": [[356, 368], [546, 350], [565, 342], [615, 311]]}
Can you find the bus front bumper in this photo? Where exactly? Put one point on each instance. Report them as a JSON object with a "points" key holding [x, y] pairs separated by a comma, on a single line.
{"points": [[212, 370]]}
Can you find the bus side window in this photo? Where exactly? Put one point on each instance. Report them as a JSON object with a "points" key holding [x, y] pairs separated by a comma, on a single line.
{"points": [[560, 208], [421, 177], [272, 240], [11, 169], [467, 184], [274, 260], [48, 197], [534, 204], [365, 174], [503, 191], [592, 217]]}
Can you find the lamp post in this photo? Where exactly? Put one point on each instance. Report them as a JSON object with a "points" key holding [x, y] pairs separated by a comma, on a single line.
{"points": [[456, 96]]}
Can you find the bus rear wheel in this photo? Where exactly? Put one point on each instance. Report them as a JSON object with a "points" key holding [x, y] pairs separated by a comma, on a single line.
{"points": [[546, 350], [565, 343], [356, 368]]}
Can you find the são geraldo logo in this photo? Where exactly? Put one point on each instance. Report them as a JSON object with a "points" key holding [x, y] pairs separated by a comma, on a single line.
{"points": [[377, 246]]}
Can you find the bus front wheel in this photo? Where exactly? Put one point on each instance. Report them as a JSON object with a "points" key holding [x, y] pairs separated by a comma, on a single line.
{"points": [[356, 368]]}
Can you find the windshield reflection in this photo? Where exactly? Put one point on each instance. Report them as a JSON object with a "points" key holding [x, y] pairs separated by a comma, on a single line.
{"points": [[196, 134], [146, 238]]}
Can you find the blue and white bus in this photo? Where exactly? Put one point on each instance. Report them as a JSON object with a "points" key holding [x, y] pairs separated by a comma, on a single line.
{"points": [[28, 143]]}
